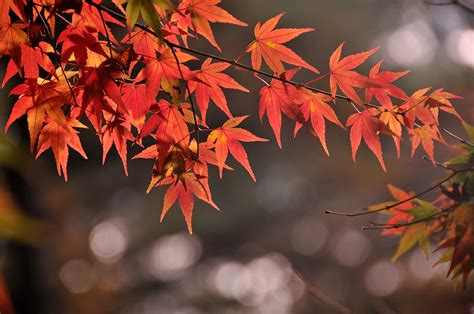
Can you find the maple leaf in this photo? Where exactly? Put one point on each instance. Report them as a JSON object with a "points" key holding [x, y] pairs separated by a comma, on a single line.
{"points": [[412, 235], [393, 122], [365, 125], [164, 68], [276, 98], [384, 89], [425, 135], [268, 44], [77, 43], [415, 108], [6, 6], [342, 74], [11, 38], [197, 14], [315, 108], [90, 18], [32, 59], [136, 101], [184, 189], [144, 44], [117, 133], [400, 213], [97, 84], [208, 83], [227, 138], [172, 132], [440, 99], [38, 101], [59, 138], [146, 8]]}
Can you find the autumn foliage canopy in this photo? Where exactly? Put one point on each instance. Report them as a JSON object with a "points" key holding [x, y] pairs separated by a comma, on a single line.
{"points": [[121, 69]]}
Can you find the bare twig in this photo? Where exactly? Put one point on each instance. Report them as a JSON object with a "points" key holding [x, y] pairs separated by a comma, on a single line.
{"points": [[387, 207], [457, 137], [383, 226], [319, 296]]}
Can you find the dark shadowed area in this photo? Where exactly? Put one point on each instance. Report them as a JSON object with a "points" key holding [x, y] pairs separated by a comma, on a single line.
{"points": [[96, 245]]}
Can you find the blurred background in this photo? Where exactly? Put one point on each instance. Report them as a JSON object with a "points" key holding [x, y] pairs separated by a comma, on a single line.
{"points": [[95, 244]]}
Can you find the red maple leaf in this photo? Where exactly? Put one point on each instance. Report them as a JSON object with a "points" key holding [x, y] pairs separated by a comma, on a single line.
{"points": [[440, 99], [208, 85], [269, 42], [276, 98], [315, 108], [227, 138], [184, 189], [365, 125], [197, 14], [136, 101], [38, 101], [385, 89], [415, 108], [399, 213], [12, 37], [425, 135], [164, 68], [342, 74], [59, 139], [116, 132]]}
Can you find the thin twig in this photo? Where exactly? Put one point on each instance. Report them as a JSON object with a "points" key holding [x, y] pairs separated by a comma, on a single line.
{"points": [[106, 33], [382, 226], [387, 207], [188, 90], [320, 296], [56, 52], [439, 164], [457, 137]]}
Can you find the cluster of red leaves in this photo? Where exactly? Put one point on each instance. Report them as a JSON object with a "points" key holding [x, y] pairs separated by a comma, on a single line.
{"points": [[140, 89]]}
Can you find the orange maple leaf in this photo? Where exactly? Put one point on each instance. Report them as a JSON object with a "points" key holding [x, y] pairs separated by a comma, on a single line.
{"points": [[268, 44], [197, 14], [315, 107], [227, 138], [184, 189], [208, 85], [365, 125], [276, 98], [342, 74], [59, 138], [385, 89]]}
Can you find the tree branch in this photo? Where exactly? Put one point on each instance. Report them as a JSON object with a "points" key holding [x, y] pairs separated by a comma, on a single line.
{"points": [[237, 64]]}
